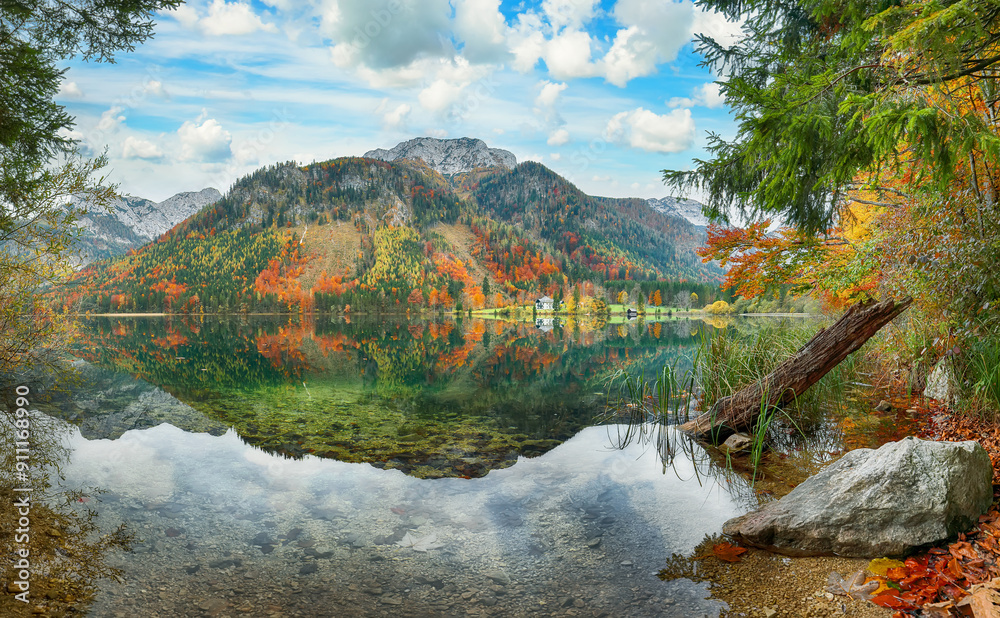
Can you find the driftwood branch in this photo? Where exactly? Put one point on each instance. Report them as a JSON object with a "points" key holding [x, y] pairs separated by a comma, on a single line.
{"points": [[800, 371]]}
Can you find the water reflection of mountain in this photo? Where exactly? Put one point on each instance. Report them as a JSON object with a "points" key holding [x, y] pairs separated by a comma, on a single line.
{"points": [[430, 397]]}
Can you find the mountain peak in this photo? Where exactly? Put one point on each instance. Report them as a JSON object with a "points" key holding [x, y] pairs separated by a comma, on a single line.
{"points": [[447, 156], [679, 207]]}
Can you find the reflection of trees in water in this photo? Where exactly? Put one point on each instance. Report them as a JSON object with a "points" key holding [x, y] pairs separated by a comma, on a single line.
{"points": [[390, 357], [675, 448], [510, 377]]}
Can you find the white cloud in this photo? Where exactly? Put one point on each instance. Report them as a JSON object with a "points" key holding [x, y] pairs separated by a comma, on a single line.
{"points": [[569, 13], [223, 18], [396, 118], [440, 95], [186, 15], [232, 18], [558, 137], [480, 25], [707, 95], [70, 90], [555, 156], [135, 148], [654, 33], [716, 26], [537, 158], [207, 142], [155, 87], [567, 55], [641, 128], [111, 119], [549, 93], [437, 132], [527, 42]]}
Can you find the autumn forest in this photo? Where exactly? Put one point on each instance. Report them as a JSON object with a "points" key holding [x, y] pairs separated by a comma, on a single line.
{"points": [[359, 234]]}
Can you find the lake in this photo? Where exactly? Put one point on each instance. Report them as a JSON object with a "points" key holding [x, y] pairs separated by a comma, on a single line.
{"points": [[373, 466]]}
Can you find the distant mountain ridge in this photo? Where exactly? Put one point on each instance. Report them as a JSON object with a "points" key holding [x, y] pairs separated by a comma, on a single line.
{"points": [[377, 235], [135, 221], [447, 156], [679, 207]]}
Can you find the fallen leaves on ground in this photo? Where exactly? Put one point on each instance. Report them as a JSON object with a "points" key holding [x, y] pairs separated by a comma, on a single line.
{"points": [[727, 552], [857, 587], [880, 566], [958, 579]]}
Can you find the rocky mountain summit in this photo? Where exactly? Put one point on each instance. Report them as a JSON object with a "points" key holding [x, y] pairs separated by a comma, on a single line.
{"points": [[135, 221], [678, 207], [448, 156]]}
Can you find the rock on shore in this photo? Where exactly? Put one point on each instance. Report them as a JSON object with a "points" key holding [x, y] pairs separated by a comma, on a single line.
{"points": [[877, 502]]}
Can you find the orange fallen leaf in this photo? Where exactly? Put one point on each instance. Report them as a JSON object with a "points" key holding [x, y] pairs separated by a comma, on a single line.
{"points": [[963, 549], [727, 552], [955, 569]]}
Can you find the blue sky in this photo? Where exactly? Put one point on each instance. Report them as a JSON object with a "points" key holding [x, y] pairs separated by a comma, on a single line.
{"points": [[606, 93]]}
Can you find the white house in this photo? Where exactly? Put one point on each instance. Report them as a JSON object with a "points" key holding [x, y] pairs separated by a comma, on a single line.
{"points": [[544, 304]]}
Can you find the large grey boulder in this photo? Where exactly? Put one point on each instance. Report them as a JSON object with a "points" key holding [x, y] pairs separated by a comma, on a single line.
{"points": [[877, 502]]}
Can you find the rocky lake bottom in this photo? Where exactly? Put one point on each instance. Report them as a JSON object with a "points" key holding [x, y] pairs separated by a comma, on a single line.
{"points": [[227, 529]]}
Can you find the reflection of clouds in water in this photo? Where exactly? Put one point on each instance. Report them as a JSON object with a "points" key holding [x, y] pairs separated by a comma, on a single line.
{"points": [[657, 510], [133, 466]]}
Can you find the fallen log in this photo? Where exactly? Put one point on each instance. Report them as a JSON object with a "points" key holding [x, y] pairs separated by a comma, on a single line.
{"points": [[800, 371]]}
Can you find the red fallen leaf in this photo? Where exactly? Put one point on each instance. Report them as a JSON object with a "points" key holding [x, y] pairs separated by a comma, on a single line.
{"points": [[397, 510], [891, 600], [728, 552]]}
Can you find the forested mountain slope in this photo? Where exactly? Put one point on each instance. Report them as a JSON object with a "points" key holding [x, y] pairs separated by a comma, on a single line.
{"points": [[381, 235]]}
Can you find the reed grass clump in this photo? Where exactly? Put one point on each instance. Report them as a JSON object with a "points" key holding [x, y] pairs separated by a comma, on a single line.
{"points": [[982, 378]]}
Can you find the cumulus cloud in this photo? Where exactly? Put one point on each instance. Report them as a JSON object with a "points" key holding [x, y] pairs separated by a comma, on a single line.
{"points": [[440, 95], [558, 137], [641, 128], [527, 42], [707, 95], [70, 90], [207, 142], [111, 119], [569, 13], [567, 55], [653, 33], [396, 118], [135, 148], [549, 93], [383, 34], [481, 27], [223, 18], [233, 18]]}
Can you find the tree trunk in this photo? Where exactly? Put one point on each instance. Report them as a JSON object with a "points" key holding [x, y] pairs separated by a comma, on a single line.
{"points": [[803, 369]]}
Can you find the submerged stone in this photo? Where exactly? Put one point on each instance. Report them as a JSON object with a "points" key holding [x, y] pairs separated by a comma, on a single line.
{"points": [[877, 502]]}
